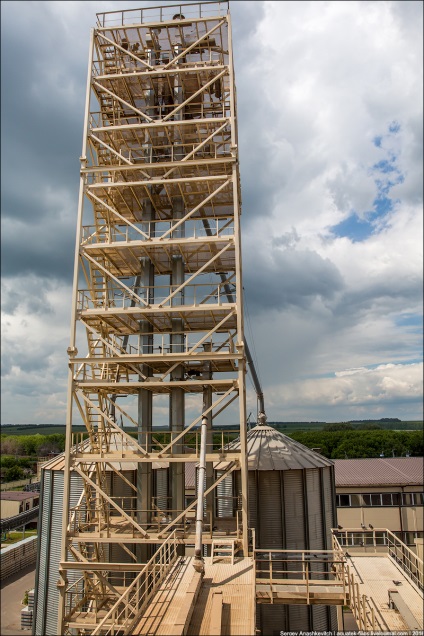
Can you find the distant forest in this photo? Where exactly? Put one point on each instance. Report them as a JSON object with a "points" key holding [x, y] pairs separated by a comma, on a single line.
{"points": [[20, 451], [285, 427]]}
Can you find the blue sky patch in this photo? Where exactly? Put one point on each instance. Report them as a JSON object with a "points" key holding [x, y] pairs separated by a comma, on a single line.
{"points": [[409, 320], [394, 127], [354, 228], [386, 174]]}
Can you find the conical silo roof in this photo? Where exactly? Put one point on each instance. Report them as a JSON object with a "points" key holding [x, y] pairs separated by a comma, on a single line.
{"points": [[268, 449]]}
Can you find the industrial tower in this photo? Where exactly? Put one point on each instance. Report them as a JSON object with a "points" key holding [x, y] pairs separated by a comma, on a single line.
{"points": [[157, 312]]}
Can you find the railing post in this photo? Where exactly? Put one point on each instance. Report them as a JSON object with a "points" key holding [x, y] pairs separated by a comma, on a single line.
{"points": [[364, 611], [358, 604], [270, 576], [307, 580]]}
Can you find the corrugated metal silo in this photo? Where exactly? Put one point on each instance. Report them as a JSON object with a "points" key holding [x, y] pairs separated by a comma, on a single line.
{"points": [[291, 507], [46, 599]]}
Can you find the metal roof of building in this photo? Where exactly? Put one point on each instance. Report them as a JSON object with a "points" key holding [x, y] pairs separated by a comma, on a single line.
{"points": [[18, 495], [379, 471], [268, 449]]}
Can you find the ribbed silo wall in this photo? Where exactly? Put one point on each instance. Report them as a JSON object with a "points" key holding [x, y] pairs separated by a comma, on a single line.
{"points": [[50, 537], [161, 488], [293, 510], [46, 600]]}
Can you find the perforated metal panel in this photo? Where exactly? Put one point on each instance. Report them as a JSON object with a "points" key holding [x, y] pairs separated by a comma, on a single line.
{"points": [[298, 618], [47, 602], [272, 619], [253, 506], [294, 511], [161, 488], [224, 501], [270, 511], [328, 490]]}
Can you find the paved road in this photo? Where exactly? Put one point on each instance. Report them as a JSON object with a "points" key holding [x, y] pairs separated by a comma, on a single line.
{"points": [[12, 592]]}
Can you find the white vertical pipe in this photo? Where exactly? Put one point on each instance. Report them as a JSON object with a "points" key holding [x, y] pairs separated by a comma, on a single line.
{"points": [[198, 558]]}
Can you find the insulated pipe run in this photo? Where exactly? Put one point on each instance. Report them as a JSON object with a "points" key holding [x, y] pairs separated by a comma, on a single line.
{"points": [[199, 564]]}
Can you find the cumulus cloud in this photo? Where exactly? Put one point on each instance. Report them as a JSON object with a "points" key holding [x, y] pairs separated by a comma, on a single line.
{"points": [[397, 387]]}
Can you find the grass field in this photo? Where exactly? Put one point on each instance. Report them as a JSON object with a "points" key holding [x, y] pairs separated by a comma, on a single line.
{"points": [[14, 537]]}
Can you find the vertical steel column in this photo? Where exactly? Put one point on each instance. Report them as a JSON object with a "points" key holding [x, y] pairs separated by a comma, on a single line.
{"points": [[239, 302], [177, 398], [72, 350], [145, 397]]}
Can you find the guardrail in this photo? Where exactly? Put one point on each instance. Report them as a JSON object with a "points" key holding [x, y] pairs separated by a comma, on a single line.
{"points": [[129, 607], [384, 541], [302, 568], [164, 13]]}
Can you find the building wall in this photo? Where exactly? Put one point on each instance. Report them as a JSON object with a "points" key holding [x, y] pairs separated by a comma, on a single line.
{"points": [[402, 513], [9, 508], [12, 508]]}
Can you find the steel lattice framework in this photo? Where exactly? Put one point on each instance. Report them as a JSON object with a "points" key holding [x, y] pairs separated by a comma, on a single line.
{"points": [[157, 302]]}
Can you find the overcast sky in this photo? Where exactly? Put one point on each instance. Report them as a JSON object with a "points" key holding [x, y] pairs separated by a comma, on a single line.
{"points": [[330, 138]]}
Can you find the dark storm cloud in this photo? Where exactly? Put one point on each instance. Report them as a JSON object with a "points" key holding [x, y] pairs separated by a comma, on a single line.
{"points": [[42, 249], [42, 108], [281, 279], [43, 87], [260, 173]]}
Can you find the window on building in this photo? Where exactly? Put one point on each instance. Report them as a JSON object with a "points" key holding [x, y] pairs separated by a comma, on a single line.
{"points": [[343, 501], [419, 498], [380, 499], [386, 499]]}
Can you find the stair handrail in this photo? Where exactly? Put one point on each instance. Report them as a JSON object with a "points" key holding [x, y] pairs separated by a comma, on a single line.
{"points": [[171, 541]]}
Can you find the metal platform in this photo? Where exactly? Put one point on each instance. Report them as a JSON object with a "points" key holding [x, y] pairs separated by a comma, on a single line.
{"points": [[376, 575], [233, 582]]}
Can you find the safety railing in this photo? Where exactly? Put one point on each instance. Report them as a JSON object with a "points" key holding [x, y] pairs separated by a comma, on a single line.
{"points": [[382, 540], [129, 607], [217, 228], [315, 574], [165, 153], [164, 13], [160, 347], [159, 296], [303, 568], [118, 444], [410, 563], [117, 116], [102, 516], [116, 62]]}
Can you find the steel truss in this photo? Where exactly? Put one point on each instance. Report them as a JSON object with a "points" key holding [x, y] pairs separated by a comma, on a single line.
{"points": [[158, 297]]}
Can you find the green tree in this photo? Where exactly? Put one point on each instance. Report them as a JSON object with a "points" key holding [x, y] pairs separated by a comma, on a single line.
{"points": [[14, 473], [341, 426]]}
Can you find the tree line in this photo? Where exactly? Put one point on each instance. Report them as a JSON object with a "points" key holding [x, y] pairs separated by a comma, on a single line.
{"points": [[19, 453]]}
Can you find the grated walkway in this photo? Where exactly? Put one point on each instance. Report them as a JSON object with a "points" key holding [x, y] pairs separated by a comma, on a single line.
{"points": [[376, 576], [238, 602], [236, 582]]}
